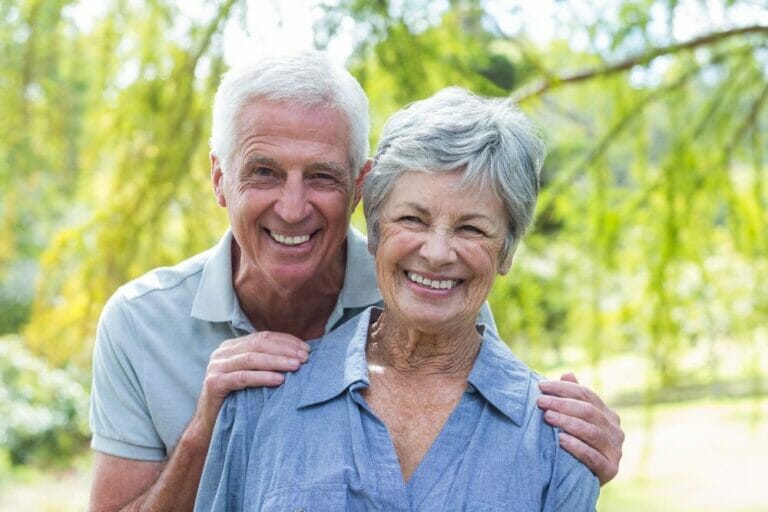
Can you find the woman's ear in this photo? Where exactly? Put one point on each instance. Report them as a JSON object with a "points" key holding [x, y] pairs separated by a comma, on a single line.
{"points": [[505, 265]]}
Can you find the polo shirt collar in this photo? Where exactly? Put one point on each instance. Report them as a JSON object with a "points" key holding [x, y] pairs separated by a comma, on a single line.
{"points": [[215, 299], [360, 287], [339, 362]]}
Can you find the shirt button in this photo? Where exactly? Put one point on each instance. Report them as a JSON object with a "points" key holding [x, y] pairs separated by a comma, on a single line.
{"points": [[299, 509]]}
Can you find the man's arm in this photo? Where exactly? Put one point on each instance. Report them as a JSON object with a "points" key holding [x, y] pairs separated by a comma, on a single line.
{"points": [[132, 485], [591, 430]]}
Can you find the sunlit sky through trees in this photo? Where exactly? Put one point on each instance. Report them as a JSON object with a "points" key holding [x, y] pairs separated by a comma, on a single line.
{"points": [[273, 26]]}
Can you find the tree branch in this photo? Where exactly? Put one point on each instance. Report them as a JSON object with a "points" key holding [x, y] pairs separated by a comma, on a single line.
{"points": [[749, 121], [547, 84], [549, 194]]}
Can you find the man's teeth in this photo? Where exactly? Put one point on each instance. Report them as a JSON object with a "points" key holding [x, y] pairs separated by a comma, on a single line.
{"points": [[445, 284], [288, 240]]}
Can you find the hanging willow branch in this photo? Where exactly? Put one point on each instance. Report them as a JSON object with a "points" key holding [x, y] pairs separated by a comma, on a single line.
{"points": [[566, 177], [749, 121], [547, 84]]}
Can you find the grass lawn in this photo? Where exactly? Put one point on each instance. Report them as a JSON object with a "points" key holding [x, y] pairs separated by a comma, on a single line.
{"points": [[701, 456]]}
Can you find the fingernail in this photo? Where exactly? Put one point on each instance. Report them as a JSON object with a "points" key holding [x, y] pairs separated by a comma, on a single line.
{"points": [[550, 415], [544, 401], [294, 364], [302, 355], [305, 346]]}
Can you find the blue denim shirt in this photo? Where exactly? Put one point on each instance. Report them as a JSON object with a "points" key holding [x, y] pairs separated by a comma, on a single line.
{"points": [[313, 444]]}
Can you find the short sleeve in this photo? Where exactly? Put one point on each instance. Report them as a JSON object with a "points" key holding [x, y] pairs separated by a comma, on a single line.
{"points": [[119, 417], [222, 484]]}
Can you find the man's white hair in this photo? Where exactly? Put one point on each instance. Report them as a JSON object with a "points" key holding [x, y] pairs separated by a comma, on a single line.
{"points": [[306, 78]]}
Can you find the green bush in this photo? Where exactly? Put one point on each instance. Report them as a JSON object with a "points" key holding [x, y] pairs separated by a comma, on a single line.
{"points": [[43, 410]]}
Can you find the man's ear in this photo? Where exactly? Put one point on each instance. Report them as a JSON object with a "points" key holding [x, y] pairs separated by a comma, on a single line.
{"points": [[217, 179], [359, 182]]}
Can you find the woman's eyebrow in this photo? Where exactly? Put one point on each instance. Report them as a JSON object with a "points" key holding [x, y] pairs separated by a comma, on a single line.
{"points": [[414, 206], [474, 216]]}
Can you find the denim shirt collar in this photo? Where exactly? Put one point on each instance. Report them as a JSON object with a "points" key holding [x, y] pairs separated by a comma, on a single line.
{"points": [[501, 378], [339, 362]]}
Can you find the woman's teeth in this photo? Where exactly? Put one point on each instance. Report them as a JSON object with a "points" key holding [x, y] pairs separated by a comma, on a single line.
{"points": [[445, 284]]}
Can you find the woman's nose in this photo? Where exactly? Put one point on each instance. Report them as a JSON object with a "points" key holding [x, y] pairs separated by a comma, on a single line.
{"points": [[438, 248]]}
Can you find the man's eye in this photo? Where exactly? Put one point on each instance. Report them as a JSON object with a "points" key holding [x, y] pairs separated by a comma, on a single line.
{"points": [[324, 177], [263, 172], [410, 219]]}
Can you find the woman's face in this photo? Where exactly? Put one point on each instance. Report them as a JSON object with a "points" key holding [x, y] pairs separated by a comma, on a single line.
{"points": [[438, 250]]}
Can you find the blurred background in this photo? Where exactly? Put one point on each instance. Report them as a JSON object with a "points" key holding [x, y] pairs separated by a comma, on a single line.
{"points": [[645, 272]]}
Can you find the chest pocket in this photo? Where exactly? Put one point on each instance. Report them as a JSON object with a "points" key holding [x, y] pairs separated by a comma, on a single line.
{"points": [[308, 498]]}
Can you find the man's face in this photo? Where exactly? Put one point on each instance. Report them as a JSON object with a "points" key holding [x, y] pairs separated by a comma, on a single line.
{"points": [[288, 191]]}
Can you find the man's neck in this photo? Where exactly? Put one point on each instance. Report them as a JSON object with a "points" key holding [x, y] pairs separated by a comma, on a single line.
{"points": [[302, 311]]}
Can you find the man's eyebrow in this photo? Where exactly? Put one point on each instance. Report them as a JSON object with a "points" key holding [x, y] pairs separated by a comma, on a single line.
{"points": [[253, 160], [330, 167]]}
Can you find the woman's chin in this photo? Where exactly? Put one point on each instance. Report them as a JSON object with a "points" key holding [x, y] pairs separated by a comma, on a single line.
{"points": [[436, 321]]}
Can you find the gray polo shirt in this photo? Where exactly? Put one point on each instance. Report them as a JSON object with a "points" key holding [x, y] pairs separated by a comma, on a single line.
{"points": [[156, 335]]}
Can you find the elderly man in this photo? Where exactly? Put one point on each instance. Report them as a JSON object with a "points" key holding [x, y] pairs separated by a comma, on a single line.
{"points": [[289, 152]]}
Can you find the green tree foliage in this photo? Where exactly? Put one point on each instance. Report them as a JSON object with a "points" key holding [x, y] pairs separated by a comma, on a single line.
{"points": [[651, 228], [126, 161], [43, 410]]}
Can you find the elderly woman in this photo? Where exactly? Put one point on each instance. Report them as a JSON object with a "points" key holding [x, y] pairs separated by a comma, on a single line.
{"points": [[414, 406]]}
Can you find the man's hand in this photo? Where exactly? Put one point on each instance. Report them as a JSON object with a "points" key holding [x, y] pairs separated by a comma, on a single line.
{"points": [[591, 430], [249, 361], [254, 360]]}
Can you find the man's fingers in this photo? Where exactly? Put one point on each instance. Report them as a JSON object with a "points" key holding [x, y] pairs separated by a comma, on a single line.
{"points": [[572, 407], [253, 361], [274, 343], [571, 390], [569, 377], [251, 379], [587, 432], [594, 460]]}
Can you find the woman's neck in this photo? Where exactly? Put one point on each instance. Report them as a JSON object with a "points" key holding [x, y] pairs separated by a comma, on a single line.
{"points": [[413, 353]]}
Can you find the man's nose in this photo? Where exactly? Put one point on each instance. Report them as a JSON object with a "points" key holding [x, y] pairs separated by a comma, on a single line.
{"points": [[438, 248], [293, 206]]}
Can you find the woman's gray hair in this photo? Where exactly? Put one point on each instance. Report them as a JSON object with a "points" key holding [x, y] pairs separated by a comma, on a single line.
{"points": [[488, 139], [308, 79]]}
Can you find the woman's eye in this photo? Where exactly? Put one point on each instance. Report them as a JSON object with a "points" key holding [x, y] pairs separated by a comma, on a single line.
{"points": [[410, 219], [472, 229]]}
